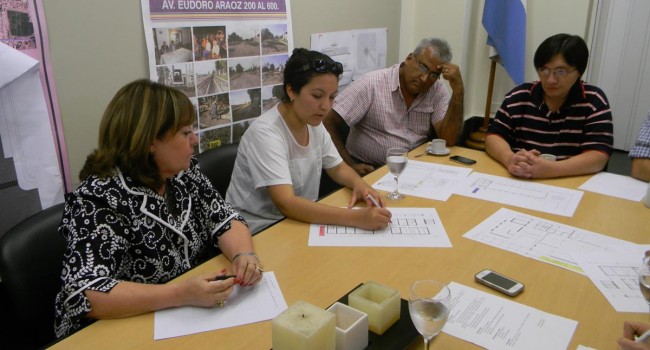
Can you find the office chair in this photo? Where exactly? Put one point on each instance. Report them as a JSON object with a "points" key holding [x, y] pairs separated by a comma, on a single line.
{"points": [[31, 256], [217, 164], [327, 186]]}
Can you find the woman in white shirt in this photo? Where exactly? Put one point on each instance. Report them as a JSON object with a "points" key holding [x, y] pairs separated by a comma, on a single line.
{"points": [[280, 157]]}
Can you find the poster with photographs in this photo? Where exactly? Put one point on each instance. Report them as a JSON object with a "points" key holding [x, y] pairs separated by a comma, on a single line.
{"points": [[226, 56]]}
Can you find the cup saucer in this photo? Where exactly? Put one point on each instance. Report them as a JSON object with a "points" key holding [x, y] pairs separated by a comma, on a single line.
{"points": [[444, 152]]}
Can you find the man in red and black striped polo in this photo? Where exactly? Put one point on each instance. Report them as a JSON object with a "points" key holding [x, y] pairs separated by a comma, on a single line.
{"points": [[557, 126]]}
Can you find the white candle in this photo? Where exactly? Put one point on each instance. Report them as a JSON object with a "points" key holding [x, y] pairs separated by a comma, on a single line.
{"points": [[351, 327], [381, 303], [304, 326]]}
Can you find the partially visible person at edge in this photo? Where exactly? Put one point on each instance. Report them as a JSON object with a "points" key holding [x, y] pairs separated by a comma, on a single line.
{"points": [[633, 330], [400, 106], [144, 214], [280, 156], [640, 153], [559, 115]]}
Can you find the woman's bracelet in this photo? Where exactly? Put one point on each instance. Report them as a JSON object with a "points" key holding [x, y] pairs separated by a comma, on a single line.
{"points": [[247, 254]]}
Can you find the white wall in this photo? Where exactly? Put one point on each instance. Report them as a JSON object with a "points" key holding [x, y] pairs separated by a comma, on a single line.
{"points": [[433, 18], [460, 23]]}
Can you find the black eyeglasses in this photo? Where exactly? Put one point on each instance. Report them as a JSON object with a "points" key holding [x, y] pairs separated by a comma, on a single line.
{"points": [[433, 76], [324, 66], [558, 72]]}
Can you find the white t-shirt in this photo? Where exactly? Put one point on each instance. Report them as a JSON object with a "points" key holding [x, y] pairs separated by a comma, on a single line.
{"points": [[268, 155]]}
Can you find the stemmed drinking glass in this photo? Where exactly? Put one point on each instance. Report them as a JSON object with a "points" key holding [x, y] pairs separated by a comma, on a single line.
{"points": [[644, 280], [429, 308], [396, 159]]}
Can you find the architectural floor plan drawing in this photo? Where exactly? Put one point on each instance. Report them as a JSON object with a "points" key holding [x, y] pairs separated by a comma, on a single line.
{"points": [[427, 180], [615, 274], [541, 239], [410, 227], [525, 194]]}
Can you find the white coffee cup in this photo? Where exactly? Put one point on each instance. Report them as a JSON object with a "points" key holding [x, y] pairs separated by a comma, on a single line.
{"points": [[548, 156], [438, 146]]}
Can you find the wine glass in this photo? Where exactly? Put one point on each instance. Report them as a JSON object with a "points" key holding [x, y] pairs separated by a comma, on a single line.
{"points": [[429, 308], [644, 281], [396, 159]]}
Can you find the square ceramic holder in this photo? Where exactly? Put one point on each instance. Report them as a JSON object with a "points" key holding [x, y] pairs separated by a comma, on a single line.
{"points": [[304, 326], [351, 327], [381, 303]]}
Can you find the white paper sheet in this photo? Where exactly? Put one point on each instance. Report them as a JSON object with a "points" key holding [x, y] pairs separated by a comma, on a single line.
{"points": [[540, 239], [520, 193], [339, 46], [370, 50], [427, 180], [410, 227], [497, 323], [616, 186], [615, 275], [25, 127], [245, 305], [360, 51]]}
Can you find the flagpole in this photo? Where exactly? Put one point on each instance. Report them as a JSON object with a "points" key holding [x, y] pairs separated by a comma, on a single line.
{"points": [[476, 139]]}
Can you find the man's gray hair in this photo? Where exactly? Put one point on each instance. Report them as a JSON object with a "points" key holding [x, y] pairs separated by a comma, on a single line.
{"points": [[439, 46]]}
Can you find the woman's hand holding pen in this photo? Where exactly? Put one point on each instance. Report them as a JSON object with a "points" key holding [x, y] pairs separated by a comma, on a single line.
{"points": [[205, 291], [375, 216], [211, 290], [247, 268]]}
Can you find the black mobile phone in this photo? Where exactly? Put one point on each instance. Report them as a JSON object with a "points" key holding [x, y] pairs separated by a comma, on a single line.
{"points": [[499, 282], [462, 160]]}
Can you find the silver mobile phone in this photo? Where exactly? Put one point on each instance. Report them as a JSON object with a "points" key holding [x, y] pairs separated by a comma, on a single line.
{"points": [[501, 283]]}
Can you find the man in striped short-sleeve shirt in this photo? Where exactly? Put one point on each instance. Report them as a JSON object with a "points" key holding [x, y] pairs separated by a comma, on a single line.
{"points": [[559, 117], [398, 107]]}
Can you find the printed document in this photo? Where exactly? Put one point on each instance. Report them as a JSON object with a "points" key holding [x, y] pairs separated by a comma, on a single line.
{"points": [[410, 227], [245, 305], [525, 194], [615, 275], [427, 180], [497, 323], [541, 239], [616, 186], [360, 50]]}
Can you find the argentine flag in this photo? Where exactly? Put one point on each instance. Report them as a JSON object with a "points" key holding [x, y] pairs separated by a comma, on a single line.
{"points": [[505, 23]]}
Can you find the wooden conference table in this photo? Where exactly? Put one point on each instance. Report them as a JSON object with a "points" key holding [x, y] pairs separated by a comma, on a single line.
{"points": [[321, 275]]}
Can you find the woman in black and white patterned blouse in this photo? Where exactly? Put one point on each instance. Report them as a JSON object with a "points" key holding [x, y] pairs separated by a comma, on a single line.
{"points": [[144, 214]]}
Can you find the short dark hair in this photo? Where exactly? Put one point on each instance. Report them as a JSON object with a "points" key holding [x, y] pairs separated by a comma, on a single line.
{"points": [[572, 48], [298, 72]]}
